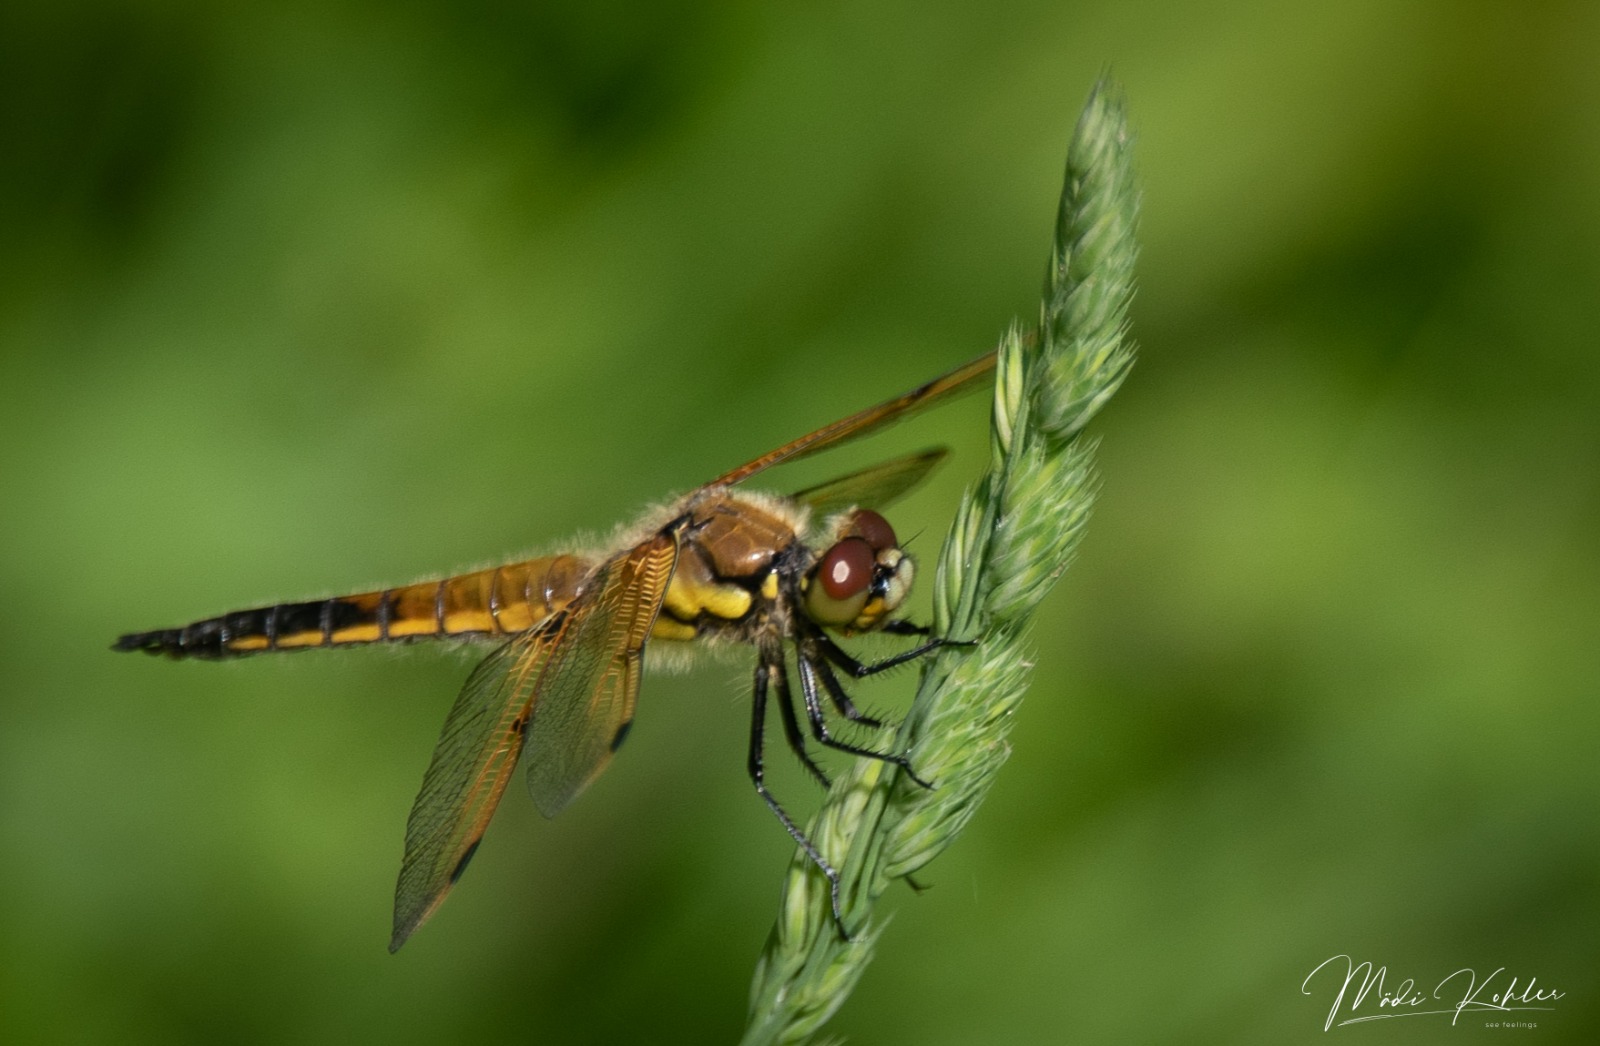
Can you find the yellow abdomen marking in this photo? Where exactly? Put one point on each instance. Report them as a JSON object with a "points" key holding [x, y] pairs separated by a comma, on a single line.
{"points": [[507, 599]]}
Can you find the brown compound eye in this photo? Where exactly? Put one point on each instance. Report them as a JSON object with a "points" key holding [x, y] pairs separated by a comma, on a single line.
{"points": [[846, 568], [874, 529], [840, 582]]}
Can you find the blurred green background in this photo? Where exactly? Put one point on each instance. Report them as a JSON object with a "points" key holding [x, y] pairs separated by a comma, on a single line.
{"points": [[298, 299]]}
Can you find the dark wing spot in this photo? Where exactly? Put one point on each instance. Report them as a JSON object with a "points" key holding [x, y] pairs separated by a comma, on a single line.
{"points": [[621, 735], [461, 865]]}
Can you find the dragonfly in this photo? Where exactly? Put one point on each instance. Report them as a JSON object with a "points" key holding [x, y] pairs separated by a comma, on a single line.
{"points": [[781, 574]]}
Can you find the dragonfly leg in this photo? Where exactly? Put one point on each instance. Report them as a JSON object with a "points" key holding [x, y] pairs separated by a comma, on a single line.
{"points": [[772, 671], [902, 627], [810, 672], [792, 732], [858, 670], [840, 699]]}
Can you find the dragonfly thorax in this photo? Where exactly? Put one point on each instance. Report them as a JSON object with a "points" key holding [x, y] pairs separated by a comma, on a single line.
{"points": [[732, 549], [742, 568]]}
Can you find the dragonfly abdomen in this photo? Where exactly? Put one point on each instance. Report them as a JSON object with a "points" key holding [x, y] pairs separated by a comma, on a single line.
{"points": [[504, 600]]}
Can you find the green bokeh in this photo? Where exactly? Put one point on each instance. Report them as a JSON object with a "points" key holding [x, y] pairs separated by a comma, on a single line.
{"points": [[295, 301]]}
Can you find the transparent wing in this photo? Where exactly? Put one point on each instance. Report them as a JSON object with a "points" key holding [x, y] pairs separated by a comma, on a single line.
{"points": [[472, 763], [564, 690], [874, 487], [586, 698], [962, 379]]}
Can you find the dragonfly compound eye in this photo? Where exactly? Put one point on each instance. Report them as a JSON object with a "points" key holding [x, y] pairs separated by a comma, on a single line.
{"points": [[873, 529], [840, 583]]}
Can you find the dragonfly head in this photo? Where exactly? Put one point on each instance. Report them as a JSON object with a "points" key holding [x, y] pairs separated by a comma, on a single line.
{"points": [[860, 579]]}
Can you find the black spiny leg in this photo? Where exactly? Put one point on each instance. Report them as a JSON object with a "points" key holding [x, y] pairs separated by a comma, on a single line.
{"points": [[841, 700], [856, 670], [809, 671], [792, 732], [902, 627], [766, 670]]}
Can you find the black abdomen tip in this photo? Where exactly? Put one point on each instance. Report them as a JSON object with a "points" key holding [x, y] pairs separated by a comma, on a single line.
{"points": [[149, 642], [173, 642]]}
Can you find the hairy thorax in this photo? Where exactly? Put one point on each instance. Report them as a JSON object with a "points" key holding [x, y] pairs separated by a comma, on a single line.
{"points": [[726, 581]]}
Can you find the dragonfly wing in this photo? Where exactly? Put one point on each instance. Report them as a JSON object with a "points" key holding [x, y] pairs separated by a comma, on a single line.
{"points": [[963, 379], [874, 487], [587, 695], [472, 763], [564, 690]]}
